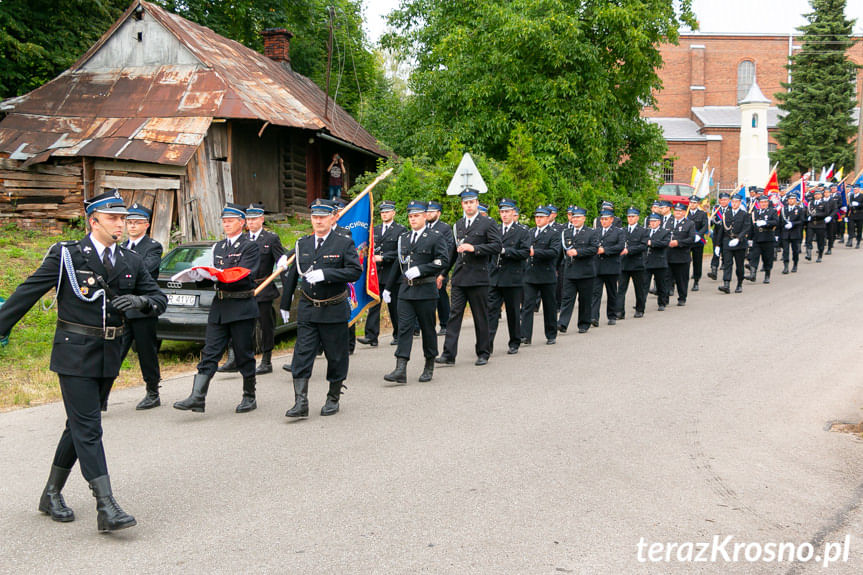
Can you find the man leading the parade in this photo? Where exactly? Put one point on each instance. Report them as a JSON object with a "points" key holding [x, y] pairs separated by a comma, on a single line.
{"points": [[97, 284]]}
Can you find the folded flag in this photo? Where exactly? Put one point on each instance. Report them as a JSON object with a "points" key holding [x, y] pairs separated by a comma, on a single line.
{"points": [[200, 273]]}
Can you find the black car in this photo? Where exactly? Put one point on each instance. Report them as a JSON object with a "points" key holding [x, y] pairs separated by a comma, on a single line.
{"points": [[185, 319]]}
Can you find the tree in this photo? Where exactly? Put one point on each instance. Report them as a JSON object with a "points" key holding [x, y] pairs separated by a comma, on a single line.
{"points": [[574, 73], [817, 130], [41, 38]]}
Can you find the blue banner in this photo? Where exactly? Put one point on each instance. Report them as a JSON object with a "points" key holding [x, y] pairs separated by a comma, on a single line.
{"points": [[358, 217]]}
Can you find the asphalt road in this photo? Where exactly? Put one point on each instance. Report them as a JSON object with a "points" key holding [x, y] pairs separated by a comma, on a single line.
{"points": [[698, 422]]}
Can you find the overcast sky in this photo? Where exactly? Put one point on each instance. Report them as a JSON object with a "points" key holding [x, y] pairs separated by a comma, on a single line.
{"points": [[781, 16]]}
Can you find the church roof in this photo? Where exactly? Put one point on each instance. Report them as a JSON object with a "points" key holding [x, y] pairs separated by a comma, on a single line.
{"points": [[678, 129], [160, 113], [729, 116]]}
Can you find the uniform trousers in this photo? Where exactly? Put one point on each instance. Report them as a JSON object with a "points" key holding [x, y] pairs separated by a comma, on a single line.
{"points": [[610, 282], [697, 251], [790, 247], [373, 321], [819, 235], [658, 275], [532, 293], [143, 332], [241, 334], [637, 277], [81, 440], [443, 307], [411, 312], [460, 297], [765, 251], [855, 229], [509, 296], [311, 336], [583, 289], [268, 330], [733, 258]]}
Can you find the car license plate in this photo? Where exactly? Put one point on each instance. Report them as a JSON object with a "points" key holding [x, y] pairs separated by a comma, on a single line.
{"points": [[178, 299]]}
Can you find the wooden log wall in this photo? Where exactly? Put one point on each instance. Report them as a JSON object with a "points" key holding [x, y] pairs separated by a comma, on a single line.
{"points": [[293, 172], [43, 197], [207, 186]]}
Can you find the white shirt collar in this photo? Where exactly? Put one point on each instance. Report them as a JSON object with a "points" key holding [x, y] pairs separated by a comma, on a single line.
{"points": [[323, 238], [101, 248], [233, 239]]}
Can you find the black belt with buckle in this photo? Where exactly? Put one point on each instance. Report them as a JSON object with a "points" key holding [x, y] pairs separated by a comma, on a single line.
{"points": [[324, 302], [245, 294], [109, 333], [421, 281]]}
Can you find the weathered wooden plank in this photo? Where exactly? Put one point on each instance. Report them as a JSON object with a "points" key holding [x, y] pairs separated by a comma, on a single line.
{"points": [[19, 180], [65, 170], [226, 181], [127, 196], [145, 198], [140, 167], [163, 216], [132, 183]]}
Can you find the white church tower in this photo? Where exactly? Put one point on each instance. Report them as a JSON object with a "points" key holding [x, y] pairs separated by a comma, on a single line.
{"points": [[753, 165]]}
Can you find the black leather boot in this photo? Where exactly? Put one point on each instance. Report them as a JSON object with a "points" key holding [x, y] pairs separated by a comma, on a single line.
{"points": [[150, 400], [266, 365], [829, 251], [51, 502], [820, 255], [712, 273], [794, 268], [400, 373], [195, 402], [752, 275], [808, 255], [248, 402], [785, 268], [110, 516], [230, 365], [331, 407], [428, 370], [766, 278], [725, 287], [739, 288], [301, 399], [695, 285]]}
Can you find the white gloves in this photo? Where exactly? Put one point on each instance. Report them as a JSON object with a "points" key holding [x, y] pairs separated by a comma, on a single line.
{"points": [[315, 276], [828, 219], [413, 272], [733, 243], [761, 223], [387, 296], [282, 264], [855, 204], [717, 249], [750, 243], [789, 225], [197, 275], [697, 237], [286, 315]]}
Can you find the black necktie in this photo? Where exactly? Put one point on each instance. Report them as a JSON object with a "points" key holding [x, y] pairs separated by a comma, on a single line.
{"points": [[318, 246], [414, 238], [469, 222], [106, 261], [651, 233]]}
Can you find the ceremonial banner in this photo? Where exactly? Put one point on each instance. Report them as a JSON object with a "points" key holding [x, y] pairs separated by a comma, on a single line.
{"points": [[358, 217]]}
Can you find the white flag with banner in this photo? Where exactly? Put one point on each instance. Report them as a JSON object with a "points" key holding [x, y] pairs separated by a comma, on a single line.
{"points": [[466, 176]]}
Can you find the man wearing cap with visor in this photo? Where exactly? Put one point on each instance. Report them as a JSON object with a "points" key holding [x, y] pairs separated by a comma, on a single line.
{"points": [[97, 284], [386, 234]]}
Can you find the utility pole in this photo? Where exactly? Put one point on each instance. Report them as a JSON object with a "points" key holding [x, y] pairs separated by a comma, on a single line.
{"points": [[329, 62]]}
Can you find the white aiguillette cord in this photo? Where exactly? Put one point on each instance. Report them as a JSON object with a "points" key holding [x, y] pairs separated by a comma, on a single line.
{"points": [[67, 266]]}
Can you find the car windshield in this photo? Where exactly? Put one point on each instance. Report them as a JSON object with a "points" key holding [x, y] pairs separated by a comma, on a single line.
{"points": [[183, 258]]}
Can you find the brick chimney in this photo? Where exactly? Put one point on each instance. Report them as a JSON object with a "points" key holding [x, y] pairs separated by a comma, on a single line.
{"points": [[277, 44]]}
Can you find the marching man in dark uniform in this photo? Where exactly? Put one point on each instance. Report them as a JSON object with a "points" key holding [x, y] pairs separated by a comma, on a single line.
{"points": [[507, 275], [611, 243], [818, 219], [679, 251], [539, 278], [434, 222], [326, 262], [736, 225], [716, 222], [855, 216], [656, 258], [477, 239], [421, 256], [702, 227], [142, 326], [632, 265], [832, 220], [763, 240], [271, 250], [792, 231], [97, 283], [387, 235], [233, 313], [580, 245]]}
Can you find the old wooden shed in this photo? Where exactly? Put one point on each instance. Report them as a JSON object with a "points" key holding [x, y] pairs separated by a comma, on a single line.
{"points": [[180, 119]]}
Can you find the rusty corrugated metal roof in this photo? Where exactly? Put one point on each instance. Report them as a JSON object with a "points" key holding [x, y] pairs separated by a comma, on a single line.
{"points": [[161, 113]]}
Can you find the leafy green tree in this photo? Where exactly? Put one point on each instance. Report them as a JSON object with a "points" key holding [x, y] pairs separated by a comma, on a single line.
{"points": [[818, 130], [41, 38], [574, 73]]}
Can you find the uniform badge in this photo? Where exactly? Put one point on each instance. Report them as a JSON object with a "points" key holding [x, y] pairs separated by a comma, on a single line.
{"points": [[84, 290], [91, 281], [87, 249], [437, 262]]}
